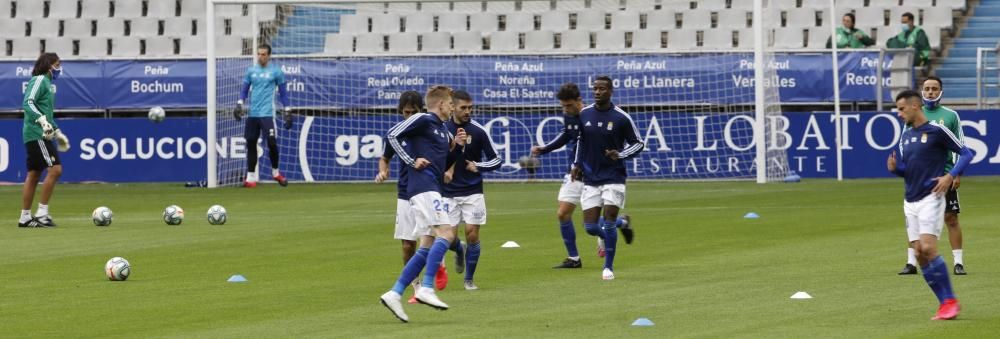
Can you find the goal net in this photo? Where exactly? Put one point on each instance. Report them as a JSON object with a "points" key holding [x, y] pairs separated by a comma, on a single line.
{"points": [[685, 75]]}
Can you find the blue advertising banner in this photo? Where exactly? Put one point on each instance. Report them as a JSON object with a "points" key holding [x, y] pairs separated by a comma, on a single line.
{"points": [[640, 79], [678, 146]]}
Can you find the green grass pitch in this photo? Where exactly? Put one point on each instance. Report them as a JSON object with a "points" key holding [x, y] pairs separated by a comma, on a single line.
{"points": [[317, 257]]}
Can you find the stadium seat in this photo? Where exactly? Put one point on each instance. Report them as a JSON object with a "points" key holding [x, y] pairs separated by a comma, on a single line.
{"points": [[5, 8], [60, 9], [717, 39], [743, 5], [610, 40], [110, 27], [242, 26], [162, 8], [403, 42], [194, 45], [606, 5], [921, 3], [266, 12], [536, 6], [784, 4], [555, 21], [129, 47], [225, 11], [353, 24], [818, 37], [571, 5], [144, 27], [483, 22], [788, 37], [824, 17], [933, 37], [97, 47], [25, 47], [817, 4], [77, 28], [591, 20], [940, 17], [664, 19], [625, 20], [801, 18], [640, 5], [647, 40], [435, 7], [505, 41], [733, 19], [13, 27], [519, 22], [370, 8], [191, 8], [677, 5], [682, 39], [696, 19], [453, 22], [539, 41], [159, 46], [29, 9], [467, 7], [228, 46], [421, 22], [370, 43], [128, 9], [45, 28], [61, 46], [869, 17], [178, 27], [500, 7], [955, 5], [385, 23], [746, 39], [436, 42], [852, 3], [711, 5], [471, 41], [338, 44], [402, 7], [575, 40]]}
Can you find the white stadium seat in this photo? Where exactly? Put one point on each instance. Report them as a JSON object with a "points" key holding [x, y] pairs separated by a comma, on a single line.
{"points": [[26, 47], [802, 18], [162, 8], [159, 47], [421, 22], [228, 46], [664, 19], [5, 7], [868, 17], [852, 3], [110, 27], [353, 24], [789, 37], [605, 5], [783, 4], [933, 37], [734, 19], [504, 41], [571, 5], [500, 7], [483, 22], [77, 28], [743, 5], [921, 3], [13, 27], [193, 45], [128, 9], [610, 40], [471, 41], [242, 26], [96, 47], [193, 8], [682, 39], [144, 27], [711, 5], [818, 37], [956, 5], [717, 39], [539, 41], [591, 20], [640, 5], [227, 11], [436, 7], [126, 47], [467, 7], [178, 27], [520, 22], [338, 44], [575, 40], [536, 6], [402, 7], [370, 8], [696, 19], [29, 9], [625, 20], [938, 17], [816, 4], [555, 21], [265, 12], [403, 42], [370, 43], [45, 28], [436, 42], [647, 40], [385, 23], [61, 46], [61, 9], [746, 38], [453, 22]]}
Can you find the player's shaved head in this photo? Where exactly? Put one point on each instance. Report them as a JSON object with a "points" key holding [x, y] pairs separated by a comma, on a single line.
{"points": [[410, 102]]}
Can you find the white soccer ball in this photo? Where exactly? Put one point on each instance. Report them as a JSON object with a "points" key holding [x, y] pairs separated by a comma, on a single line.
{"points": [[102, 216], [157, 114], [217, 215], [117, 269], [173, 215]]}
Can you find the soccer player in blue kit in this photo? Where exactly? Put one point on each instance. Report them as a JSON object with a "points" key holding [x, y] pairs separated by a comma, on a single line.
{"points": [[924, 148], [608, 137], [259, 83]]}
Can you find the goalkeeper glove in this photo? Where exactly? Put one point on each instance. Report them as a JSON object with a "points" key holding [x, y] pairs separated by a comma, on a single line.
{"points": [[47, 130], [287, 116], [62, 142], [238, 111]]}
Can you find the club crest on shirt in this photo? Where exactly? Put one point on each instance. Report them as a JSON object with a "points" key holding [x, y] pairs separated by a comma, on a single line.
{"points": [[587, 124], [611, 125], [600, 124], [923, 138]]}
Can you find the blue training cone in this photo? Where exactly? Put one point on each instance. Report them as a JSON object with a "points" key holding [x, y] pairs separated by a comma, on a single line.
{"points": [[751, 215], [237, 278], [642, 322]]}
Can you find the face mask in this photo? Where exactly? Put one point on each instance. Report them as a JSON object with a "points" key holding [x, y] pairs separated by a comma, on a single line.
{"points": [[933, 103], [56, 72], [906, 28]]}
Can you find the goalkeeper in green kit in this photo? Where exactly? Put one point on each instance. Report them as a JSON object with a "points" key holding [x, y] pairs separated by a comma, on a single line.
{"points": [[40, 129]]}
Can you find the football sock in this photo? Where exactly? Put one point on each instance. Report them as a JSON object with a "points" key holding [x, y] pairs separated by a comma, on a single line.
{"points": [[594, 229], [620, 222], [456, 245], [25, 216], [411, 270], [42, 211], [252, 176], [569, 237], [471, 260], [275, 172], [272, 151], [957, 254], [434, 260], [610, 240], [911, 256], [940, 271]]}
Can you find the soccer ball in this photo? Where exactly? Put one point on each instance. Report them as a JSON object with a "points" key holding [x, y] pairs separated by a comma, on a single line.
{"points": [[173, 215], [102, 216], [117, 269], [216, 215], [156, 114]]}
